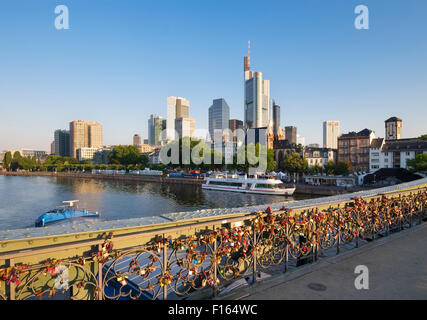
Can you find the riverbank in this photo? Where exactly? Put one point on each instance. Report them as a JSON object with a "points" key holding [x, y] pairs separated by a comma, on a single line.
{"points": [[300, 188]]}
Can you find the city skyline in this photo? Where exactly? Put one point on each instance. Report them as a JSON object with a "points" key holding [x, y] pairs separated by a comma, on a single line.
{"points": [[320, 67]]}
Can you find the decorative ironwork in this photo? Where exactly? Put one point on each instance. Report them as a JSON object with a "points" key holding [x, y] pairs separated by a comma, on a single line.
{"points": [[167, 267]]}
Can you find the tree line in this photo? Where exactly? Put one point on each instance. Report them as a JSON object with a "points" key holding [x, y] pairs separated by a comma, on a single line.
{"points": [[128, 157], [296, 164]]}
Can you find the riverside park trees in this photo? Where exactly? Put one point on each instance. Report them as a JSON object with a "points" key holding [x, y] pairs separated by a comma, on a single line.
{"points": [[294, 163], [127, 155]]}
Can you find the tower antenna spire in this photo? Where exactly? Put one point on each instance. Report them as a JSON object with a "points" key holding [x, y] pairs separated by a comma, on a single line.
{"points": [[249, 48]]}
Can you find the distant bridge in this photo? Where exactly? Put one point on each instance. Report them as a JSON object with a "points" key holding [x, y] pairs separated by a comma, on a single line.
{"points": [[199, 253]]}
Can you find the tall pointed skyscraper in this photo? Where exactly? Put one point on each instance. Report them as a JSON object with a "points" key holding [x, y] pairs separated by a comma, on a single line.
{"points": [[257, 102]]}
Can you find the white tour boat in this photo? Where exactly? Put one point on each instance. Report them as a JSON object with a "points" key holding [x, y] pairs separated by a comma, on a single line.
{"points": [[247, 185]]}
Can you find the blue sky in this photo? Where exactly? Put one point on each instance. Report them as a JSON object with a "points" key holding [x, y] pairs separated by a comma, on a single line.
{"points": [[120, 60]]}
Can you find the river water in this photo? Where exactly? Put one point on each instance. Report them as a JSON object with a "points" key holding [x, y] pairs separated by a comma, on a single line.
{"points": [[23, 199]]}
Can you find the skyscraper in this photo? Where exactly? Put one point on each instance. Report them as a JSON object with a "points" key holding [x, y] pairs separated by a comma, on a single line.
{"points": [[177, 107], [62, 143], [276, 120], [257, 102], [331, 131], [156, 125], [136, 140], [219, 116], [84, 134], [291, 134], [235, 124], [185, 127]]}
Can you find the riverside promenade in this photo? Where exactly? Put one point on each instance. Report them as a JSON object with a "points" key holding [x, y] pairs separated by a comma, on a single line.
{"points": [[397, 270]]}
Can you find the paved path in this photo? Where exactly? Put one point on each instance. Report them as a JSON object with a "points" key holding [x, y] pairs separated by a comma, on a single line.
{"points": [[397, 270]]}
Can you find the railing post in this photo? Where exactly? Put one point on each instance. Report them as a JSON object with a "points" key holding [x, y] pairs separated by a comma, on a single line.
{"points": [[215, 275], [12, 285], [254, 277], [287, 247], [100, 277], [338, 238], [313, 250], [358, 229], [165, 262]]}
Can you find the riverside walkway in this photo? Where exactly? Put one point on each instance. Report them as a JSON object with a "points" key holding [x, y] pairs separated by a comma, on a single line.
{"points": [[397, 268], [205, 253]]}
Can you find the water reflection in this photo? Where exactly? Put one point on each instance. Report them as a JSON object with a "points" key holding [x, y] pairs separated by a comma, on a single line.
{"points": [[23, 199]]}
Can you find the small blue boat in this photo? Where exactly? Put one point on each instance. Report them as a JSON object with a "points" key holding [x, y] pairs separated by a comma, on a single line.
{"points": [[67, 211]]}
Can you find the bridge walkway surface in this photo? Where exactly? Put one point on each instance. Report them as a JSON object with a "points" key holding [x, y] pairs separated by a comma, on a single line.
{"points": [[397, 267]]}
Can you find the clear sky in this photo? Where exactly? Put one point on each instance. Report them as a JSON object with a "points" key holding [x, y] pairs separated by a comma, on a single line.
{"points": [[120, 60]]}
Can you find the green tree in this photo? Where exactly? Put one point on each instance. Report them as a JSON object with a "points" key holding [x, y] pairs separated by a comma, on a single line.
{"points": [[294, 163], [52, 160], [423, 137], [418, 164], [253, 156], [15, 164], [316, 169], [271, 164], [7, 161], [298, 147], [126, 155], [329, 167], [343, 168]]}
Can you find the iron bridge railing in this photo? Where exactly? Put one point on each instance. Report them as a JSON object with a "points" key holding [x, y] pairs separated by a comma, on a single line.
{"points": [[209, 259]]}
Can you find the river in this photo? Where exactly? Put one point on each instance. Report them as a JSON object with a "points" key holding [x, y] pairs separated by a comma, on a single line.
{"points": [[23, 199]]}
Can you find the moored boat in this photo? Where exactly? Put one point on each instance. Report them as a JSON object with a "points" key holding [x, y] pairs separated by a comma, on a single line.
{"points": [[247, 185], [67, 211]]}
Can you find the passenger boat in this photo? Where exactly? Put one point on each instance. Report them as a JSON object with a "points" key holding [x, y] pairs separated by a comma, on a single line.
{"points": [[67, 211], [247, 185]]}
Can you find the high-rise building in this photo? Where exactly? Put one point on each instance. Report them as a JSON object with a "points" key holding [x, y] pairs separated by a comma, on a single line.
{"points": [[62, 143], [182, 108], [219, 116], [393, 128], [257, 102], [84, 134], [156, 125], [177, 107], [291, 134], [185, 127], [276, 121], [235, 124], [331, 132], [52, 148], [136, 140]]}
